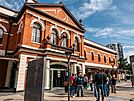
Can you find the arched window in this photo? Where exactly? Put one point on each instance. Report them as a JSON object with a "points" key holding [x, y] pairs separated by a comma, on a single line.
{"points": [[99, 59], [85, 54], [64, 40], [109, 60], [92, 56], [36, 32], [105, 59], [1, 35], [76, 44], [54, 37]]}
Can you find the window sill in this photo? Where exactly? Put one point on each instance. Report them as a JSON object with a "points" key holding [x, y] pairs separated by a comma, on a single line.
{"points": [[36, 43]]}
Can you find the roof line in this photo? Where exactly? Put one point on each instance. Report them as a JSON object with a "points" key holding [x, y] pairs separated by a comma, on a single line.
{"points": [[64, 7], [9, 9]]}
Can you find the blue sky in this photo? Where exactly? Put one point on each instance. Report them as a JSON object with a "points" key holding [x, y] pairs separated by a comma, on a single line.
{"points": [[106, 21]]}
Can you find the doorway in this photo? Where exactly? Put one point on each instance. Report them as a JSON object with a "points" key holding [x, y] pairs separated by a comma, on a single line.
{"points": [[57, 74], [58, 78], [13, 75]]}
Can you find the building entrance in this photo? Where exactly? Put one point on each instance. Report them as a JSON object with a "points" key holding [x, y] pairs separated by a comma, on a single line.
{"points": [[58, 78], [57, 74]]}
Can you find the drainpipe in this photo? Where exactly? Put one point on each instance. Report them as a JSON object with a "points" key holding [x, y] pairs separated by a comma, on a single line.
{"points": [[9, 31]]}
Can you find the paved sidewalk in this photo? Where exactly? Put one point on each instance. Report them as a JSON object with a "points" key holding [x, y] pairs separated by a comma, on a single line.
{"points": [[124, 93]]}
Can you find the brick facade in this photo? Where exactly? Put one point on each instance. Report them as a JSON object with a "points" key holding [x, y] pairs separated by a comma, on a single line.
{"points": [[50, 17]]}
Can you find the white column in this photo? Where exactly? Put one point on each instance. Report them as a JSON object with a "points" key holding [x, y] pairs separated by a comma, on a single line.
{"points": [[52, 78], [10, 65], [21, 73], [75, 70], [83, 68], [47, 74]]}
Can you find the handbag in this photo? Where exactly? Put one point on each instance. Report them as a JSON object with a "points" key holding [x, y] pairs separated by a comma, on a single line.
{"points": [[65, 83]]}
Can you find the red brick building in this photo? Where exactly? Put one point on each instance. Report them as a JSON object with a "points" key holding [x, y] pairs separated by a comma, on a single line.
{"points": [[46, 31]]}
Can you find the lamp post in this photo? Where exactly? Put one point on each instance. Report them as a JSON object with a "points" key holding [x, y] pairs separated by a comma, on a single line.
{"points": [[112, 63], [68, 54]]}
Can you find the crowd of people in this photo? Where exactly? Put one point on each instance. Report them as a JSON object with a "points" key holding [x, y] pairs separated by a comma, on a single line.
{"points": [[99, 82]]}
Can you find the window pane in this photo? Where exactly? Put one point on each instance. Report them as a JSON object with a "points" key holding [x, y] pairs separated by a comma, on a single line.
{"points": [[85, 54], [33, 34], [98, 57], [1, 35], [104, 59], [38, 35], [54, 37], [92, 54], [36, 32], [76, 47], [1, 32], [64, 40]]}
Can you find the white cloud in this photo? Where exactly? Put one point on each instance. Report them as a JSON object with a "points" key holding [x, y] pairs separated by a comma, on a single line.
{"points": [[114, 32], [89, 8], [104, 32], [127, 54], [90, 29], [130, 47]]}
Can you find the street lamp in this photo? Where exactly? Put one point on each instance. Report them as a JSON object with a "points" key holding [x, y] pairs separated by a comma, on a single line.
{"points": [[68, 54], [112, 63]]}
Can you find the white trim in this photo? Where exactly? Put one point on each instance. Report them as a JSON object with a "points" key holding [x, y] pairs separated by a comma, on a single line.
{"points": [[60, 63], [59, 59], [99, 65], [55, 50], [3, 27], [36, 42], [60, 25], [26, 46], [7, 12], [63, 13], [65, 31], [38, 21], [98, 45], [56, 28], [30, 1], [31, 56], [58, 69], [2, 52], [77, 36], [3, 20], [21, 26], [91, 48]]}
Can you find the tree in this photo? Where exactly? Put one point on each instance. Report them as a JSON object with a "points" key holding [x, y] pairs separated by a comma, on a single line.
{"points": [[123, 64]]}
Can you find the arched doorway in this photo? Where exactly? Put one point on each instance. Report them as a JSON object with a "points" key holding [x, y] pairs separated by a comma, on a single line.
{"points": [[57, 73]]}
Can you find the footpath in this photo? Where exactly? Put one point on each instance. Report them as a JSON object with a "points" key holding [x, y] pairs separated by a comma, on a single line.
{"points": [[124, 93]]}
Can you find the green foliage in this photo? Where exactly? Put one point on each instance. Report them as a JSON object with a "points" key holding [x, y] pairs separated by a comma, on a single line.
{"points": [[123, 64]]}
